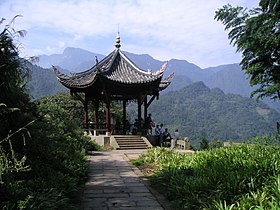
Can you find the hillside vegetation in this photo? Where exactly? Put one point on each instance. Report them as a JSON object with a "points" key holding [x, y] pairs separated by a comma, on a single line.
{"points": [[198, 111], [43, 83]]}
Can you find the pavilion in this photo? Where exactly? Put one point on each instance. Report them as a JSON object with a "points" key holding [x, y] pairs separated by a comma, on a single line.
{"points": [[115, 78]]}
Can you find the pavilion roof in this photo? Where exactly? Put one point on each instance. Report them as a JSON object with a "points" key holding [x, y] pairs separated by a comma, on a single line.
{"points": [[116, 67], [117, 75]]}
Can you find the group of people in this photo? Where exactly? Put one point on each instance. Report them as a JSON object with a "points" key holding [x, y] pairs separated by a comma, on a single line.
{"points": [[146, 125], [162, 133], [165, 137]]}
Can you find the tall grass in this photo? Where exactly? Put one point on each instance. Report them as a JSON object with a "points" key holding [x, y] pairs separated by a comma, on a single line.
{"points": [[243, 176]]}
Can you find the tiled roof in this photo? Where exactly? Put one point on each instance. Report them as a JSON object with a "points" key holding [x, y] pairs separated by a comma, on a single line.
{"points": [[122, 70], [166, 82], [116, 68], [79, 80]]}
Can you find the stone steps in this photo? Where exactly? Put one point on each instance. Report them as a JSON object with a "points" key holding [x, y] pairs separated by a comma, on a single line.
{"points": [[130, 142]]}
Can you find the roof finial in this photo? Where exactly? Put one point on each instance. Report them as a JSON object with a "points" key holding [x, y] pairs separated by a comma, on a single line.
{"points": [[118, 39]]}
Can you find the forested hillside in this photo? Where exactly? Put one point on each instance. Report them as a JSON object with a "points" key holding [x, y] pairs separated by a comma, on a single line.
{"points": [[198, 111], [43, 82]]}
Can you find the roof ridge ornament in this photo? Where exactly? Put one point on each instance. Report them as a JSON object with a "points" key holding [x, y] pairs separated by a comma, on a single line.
{"points": [[97, 64], [162, 69], [118, 41]]}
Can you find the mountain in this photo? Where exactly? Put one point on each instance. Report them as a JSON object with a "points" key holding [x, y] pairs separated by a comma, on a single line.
{"points": [[182, 67], [72, 59], [230, 78], [198, 111], [145, 61]]}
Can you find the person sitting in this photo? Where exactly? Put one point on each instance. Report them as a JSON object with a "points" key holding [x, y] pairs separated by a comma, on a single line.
{"points": [[133, 127], [166, 137]]}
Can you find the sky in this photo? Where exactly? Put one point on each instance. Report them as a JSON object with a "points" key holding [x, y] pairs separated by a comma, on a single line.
{"points": [[164, 29]]}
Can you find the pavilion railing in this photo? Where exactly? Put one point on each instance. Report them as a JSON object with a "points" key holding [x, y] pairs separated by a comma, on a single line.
{"points": [[100, 128]]}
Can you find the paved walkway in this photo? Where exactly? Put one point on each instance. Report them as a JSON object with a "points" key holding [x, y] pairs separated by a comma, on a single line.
{"points": [[114, 183]]}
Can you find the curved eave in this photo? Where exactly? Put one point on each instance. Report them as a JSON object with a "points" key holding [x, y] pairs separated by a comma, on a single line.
{"points": [[76, 80], [166, 82]]}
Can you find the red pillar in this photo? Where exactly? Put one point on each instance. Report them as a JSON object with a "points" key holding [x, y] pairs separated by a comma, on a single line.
{"points": [[107, 112], [145, 107], [96, 119], [86, 114]]}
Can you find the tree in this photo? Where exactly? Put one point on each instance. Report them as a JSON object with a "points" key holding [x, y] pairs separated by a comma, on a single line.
{"points": [[256, 34], [15, 120], [42, 147]]}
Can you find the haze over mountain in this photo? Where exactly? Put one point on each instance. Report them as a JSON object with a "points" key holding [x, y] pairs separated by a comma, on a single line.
{"points": [[72, 59]]}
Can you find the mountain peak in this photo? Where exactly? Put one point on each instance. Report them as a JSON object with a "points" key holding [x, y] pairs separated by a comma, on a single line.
{"points": [[197, 88], [75, 51]]}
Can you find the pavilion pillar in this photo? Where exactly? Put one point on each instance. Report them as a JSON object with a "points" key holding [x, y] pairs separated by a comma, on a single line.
{"points": [[145, 107], [124, 117], [86, 114], [139, 115], [96, 119], [107, 113]]}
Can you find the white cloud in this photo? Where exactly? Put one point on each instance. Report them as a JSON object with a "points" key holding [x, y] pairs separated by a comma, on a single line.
{"points": [[164, 29]]}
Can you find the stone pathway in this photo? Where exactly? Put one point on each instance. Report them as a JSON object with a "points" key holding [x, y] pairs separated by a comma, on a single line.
{"points": [[114, 183]]}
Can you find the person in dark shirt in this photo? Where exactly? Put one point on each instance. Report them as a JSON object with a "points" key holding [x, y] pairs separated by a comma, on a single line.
{"points": [[166, 137]]}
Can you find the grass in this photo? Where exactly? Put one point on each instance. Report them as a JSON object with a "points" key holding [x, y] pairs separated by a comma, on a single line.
{"points": [[242, 176]]}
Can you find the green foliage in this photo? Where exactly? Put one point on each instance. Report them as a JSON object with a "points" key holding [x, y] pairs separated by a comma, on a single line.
{"points": [[55, 153], [14, 117], [255, 33], [204, 144], [42, 146], [244, 176], [47, 199], [215, 144], [62, 108]]}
